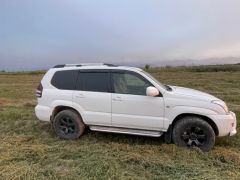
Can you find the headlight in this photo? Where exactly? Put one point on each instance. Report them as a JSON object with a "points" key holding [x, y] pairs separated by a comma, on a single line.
{"points": [[222, 104]]}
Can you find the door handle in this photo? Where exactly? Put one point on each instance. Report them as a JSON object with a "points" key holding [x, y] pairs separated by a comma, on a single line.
{"points": [[80, 96], [118, 98]]}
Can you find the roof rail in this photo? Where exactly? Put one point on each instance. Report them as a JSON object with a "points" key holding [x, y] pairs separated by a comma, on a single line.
{"points": [[83, 64], [59, 66]]}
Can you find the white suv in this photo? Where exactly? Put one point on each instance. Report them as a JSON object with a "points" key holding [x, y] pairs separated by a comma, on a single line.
{"points": [[128, 100]]}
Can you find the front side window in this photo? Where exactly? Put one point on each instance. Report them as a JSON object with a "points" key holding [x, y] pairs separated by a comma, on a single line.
{"points": [[93, 81], [154, 79], [129, 83]]}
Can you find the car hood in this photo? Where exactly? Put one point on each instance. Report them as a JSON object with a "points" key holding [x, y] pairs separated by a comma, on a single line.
{"points": [[192, 93]]}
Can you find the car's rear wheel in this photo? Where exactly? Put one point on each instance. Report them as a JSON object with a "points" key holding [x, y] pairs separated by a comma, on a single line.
{"points": [[67, 124], [193, 132]]}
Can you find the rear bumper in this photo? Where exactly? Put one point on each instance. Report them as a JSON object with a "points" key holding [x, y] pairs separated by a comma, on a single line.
{"points": [[43, 113], [226, 124], [234, 128]]}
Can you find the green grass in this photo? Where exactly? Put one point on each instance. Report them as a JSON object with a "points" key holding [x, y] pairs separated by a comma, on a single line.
{"points": [[29, 149]]}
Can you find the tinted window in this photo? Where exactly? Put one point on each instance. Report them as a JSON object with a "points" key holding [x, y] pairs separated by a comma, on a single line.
{"points": [[64, 79], [129, 83], [93, 81]]}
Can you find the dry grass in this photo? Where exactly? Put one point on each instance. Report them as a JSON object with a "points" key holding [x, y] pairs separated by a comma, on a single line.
{"points": [[30, 150]]}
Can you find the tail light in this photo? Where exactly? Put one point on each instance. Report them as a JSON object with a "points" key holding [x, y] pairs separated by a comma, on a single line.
{"points": [[39, 91]]}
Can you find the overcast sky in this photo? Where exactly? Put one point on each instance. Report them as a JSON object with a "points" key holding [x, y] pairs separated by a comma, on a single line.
{"points": [[39, 34]]}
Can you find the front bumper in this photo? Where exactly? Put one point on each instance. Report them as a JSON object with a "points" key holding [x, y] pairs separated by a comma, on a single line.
{"points": [[226, 124]]}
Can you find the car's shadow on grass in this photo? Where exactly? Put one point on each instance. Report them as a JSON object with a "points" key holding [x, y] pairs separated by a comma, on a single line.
{"points": [[103, 137], [46, 131], [122, 138]]}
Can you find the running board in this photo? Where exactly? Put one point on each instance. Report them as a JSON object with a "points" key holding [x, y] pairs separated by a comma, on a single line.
{"points": [[126, 131]]}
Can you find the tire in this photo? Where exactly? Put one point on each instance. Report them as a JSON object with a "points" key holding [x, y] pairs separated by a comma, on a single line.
{"points": [[193, 132], [67, 124]]}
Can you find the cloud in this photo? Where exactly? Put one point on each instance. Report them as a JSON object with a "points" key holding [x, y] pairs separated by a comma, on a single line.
{"points": [[43, 33]]}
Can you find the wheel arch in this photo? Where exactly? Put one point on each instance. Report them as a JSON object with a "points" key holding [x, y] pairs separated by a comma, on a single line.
{"points": [[205, 118], [60, 108]]}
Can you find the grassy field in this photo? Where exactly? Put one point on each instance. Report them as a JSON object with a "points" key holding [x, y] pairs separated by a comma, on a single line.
{"points": [[29, 149]]}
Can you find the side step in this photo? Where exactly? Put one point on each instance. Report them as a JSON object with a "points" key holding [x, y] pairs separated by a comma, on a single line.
{"points": [[126, 131]]}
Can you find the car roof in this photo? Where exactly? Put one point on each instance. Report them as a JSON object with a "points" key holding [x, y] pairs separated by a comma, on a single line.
{"points": [[94, 66]]}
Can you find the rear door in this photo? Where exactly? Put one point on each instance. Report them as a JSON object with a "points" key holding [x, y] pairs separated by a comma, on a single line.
{"points": [[94, 96]]}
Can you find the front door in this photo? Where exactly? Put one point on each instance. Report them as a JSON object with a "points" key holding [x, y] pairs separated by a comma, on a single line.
{"points": [[131, 107]]}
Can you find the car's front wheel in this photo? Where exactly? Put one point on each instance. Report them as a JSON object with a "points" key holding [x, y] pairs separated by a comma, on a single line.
{"points": [[67, 124], [193, 132]]}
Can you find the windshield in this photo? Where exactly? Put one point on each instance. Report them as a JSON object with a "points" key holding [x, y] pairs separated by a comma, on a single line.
{"points": [[155, 80]]}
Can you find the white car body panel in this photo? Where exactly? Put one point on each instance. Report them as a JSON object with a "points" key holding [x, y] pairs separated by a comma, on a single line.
{"points": [[43, 113], [173, 112], [133, 111], [226, 124], [93, 112]]}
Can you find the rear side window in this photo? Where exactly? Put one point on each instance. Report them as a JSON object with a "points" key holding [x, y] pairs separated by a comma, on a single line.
{"points": [[94, 81], [65, 80]]}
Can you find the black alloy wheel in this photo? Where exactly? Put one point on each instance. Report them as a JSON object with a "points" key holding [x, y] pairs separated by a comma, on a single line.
{"points": [[193, 132], [194, 137], [68, 124]]}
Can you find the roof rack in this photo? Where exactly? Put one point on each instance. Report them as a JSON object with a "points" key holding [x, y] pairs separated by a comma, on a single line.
{"points": [[83, 64]]}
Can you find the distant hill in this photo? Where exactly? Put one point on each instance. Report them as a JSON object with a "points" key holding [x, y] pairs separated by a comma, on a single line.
{"points": [[190, 62]]}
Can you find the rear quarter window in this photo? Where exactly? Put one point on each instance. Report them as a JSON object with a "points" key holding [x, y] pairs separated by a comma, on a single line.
{"points": [[65, 80]]}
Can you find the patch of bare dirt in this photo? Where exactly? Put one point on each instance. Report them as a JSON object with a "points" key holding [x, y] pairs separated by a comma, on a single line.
{"points": [[5, 101]]}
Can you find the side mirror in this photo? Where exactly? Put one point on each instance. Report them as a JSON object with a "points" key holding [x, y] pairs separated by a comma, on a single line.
{"points": [[152, 91]]}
